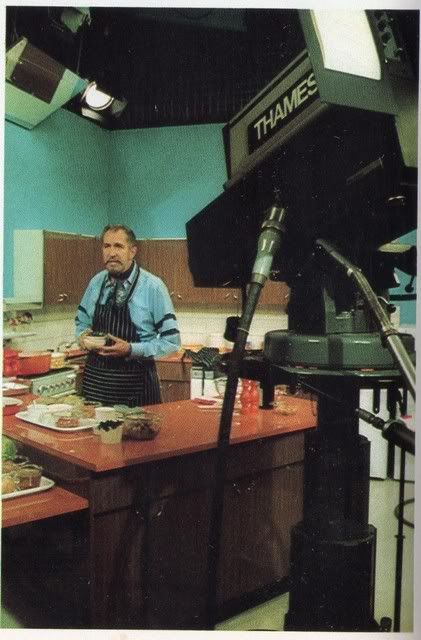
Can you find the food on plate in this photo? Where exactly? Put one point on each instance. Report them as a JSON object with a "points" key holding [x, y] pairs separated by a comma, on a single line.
{"points": [[143, 425], [35, 411], [88, 408], [8, 466], [8, 484], [14, 463], [28, 477], [65, 422], [79, 406]]}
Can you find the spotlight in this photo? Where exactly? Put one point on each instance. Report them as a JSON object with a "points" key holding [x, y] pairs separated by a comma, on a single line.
{"points": [[98, 105], [96, 99]]}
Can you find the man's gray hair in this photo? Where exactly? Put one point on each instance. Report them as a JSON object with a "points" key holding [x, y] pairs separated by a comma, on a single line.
{"points": [[120, 227]]}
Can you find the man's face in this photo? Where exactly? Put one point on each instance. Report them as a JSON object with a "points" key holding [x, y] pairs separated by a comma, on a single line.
{"points": [[117, 252]]}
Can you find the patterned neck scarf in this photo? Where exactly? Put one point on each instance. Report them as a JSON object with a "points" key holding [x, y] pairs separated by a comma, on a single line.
{"points": [[118, 291]]}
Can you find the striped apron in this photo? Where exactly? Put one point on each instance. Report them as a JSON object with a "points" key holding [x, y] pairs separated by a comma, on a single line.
{"points": [[119, 380]]}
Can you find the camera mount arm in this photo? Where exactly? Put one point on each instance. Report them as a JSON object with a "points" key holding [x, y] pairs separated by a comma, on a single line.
{"points": [[389, 334]]}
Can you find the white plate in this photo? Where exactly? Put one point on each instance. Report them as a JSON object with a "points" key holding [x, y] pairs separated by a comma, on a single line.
{"points": [[13, 386], [89, 423], [11, 402], [45, 484]]}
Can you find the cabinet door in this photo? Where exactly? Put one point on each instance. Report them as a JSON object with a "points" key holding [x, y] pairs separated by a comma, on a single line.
{"points": [[157, 256], [259, 512], [70, 261], [168, 259]]}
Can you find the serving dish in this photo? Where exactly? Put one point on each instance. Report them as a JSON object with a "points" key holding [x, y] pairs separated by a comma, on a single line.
{"points": [[85, 423], [45, 484]]}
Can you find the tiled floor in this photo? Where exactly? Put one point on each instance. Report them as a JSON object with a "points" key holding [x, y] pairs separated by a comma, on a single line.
{"points": [[383, 500]]}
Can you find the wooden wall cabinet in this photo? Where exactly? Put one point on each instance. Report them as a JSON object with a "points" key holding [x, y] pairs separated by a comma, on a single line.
{"points": [[70, 261], [52, 267], [168, 259]]}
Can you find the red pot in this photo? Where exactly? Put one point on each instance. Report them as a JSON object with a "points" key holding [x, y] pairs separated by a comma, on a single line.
{"points": [[30, 364], [11, 406], [10, 363]]}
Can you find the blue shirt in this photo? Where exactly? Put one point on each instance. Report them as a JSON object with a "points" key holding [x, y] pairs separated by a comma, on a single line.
{"points": [[151, 311]]}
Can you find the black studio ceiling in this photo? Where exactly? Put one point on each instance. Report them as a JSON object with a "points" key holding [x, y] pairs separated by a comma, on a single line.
{"points": [[174, 66]]}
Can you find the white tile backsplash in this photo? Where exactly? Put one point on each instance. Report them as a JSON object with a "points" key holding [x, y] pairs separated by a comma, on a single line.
{"points": [[50, 327], [205, 327], [208, 327]]}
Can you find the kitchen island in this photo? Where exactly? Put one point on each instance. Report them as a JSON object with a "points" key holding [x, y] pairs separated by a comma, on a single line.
{"points": [[149, 504]]}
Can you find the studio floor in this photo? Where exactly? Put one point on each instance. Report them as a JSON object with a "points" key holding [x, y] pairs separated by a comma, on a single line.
{"points": [[384, 496]]}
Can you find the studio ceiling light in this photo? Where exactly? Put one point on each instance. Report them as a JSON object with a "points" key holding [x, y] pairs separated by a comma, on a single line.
{"points": [[96, 99]]}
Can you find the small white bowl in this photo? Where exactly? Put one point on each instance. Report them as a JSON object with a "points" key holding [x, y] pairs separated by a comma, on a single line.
{"points": [[94, 342]]}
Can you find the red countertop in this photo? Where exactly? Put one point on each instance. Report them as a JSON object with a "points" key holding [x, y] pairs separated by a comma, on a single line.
{"points": [[39, 506], [185, 428]]}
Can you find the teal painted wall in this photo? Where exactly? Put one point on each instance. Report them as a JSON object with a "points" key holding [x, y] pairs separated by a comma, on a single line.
{"points": [[56, 177], [164, 176], [407, 307], [67, 174]]}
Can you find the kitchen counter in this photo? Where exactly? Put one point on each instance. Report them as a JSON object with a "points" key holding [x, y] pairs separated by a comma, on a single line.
{"points": [[40, 506], [147, 499], [187, 427]]}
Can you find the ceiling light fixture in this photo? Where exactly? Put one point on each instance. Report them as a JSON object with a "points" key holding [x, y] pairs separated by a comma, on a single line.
{"points": [[96, 99], [100, 106]]}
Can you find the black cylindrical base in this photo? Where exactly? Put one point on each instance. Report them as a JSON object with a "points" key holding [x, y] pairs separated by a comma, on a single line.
{"points": [[332, 583]]}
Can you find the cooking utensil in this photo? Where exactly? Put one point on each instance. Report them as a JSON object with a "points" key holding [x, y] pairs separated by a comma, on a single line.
{"points": [[33, 363]]}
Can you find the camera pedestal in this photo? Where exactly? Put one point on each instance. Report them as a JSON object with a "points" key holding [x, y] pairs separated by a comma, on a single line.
{"points": [[333, 548]]}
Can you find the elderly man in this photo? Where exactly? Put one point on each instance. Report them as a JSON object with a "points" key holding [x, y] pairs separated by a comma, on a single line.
{"points": [[134, 309]]}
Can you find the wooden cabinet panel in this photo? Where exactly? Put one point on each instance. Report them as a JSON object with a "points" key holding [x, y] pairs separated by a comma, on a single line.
{"points": [[168, 259], [117, 558], [178, 535], [175, 380], [259, 511], [274, 294], [70, 261], [173, 390]]}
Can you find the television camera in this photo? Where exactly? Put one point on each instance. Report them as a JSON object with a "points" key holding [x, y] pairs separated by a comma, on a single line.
{"points": [[322, 170]]}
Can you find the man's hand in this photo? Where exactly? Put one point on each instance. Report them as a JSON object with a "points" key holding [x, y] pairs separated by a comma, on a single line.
{"points": [[82, 337], [120, 348]]}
